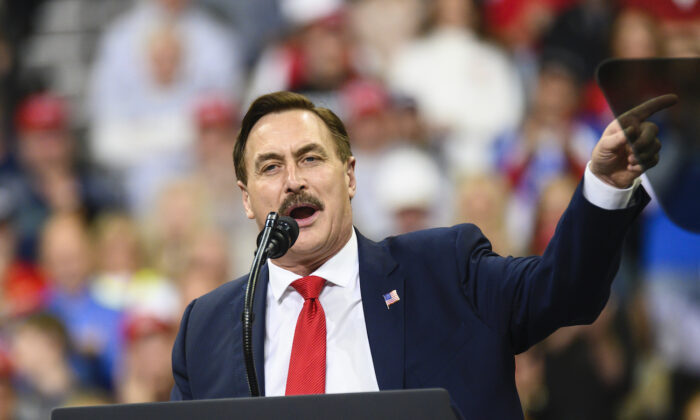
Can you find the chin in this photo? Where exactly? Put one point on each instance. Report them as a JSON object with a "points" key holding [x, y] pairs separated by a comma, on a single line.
{"points": [[310, 239], [305, 244]]}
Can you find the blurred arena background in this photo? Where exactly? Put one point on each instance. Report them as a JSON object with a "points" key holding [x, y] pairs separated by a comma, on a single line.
{"points": [[118, 201]]}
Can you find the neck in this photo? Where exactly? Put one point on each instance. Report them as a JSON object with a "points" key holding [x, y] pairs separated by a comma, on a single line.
{"points": [[303, 265]]}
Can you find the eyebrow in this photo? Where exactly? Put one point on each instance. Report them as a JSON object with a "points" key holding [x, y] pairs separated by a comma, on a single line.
{"points": [[311, 147], [260, 159]]}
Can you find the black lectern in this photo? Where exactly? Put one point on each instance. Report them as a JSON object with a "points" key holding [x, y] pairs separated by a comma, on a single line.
{"points": [[414, 404]]}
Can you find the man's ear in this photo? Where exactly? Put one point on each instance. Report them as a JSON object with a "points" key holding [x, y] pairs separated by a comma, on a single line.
{"points": [[246, 200], [350, 176]]}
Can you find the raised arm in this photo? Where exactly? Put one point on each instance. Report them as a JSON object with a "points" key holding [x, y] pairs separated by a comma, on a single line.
{"points": [[570, 283]]}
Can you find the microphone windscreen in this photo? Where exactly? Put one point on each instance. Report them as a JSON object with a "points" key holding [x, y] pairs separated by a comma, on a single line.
{"points": [[291, 227]]}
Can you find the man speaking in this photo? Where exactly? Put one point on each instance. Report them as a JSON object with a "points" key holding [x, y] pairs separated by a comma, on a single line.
{"points": [[434, 308]]}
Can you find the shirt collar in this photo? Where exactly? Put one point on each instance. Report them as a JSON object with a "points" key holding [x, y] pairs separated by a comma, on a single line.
{"points": [[340, 270]]}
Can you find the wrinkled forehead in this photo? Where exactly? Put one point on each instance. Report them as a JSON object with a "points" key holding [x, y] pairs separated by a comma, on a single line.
{"points": [[287, 131]]}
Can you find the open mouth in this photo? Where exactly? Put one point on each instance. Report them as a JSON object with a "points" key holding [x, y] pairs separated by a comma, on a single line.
{"points": [[302, 207], [303, 213]]}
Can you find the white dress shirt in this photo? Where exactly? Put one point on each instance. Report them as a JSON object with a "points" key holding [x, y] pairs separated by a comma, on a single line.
{"points": [[606, 196], [349, 365]]}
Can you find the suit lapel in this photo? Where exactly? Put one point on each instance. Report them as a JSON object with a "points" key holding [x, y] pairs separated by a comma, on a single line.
{"points": [[259, 306], [385, 326]]}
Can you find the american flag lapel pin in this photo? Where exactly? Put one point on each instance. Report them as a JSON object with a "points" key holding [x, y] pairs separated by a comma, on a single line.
{"points": [[391, 298]]}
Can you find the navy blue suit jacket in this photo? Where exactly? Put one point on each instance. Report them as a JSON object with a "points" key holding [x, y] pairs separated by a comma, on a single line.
{"points": [[464, 311]]}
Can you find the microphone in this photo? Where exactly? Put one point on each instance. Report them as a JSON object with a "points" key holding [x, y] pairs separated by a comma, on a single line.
{"points": [[278, 235], [284, 233]]}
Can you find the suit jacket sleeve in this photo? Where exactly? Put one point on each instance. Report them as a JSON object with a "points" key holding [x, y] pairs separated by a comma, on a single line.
{"points": [[181, 389], [526, 299]]}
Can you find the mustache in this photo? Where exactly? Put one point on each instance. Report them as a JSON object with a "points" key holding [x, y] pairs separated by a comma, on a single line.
{"points": [[299, 198]]}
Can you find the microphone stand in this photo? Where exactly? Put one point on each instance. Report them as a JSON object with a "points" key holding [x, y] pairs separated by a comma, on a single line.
{"points": [[248, 317]]}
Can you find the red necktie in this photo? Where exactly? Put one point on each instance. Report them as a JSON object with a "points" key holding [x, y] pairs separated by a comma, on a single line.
{"points": [[307, 364]]}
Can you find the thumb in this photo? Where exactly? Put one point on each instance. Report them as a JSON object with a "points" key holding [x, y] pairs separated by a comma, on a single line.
{"points": [[617, 140]]}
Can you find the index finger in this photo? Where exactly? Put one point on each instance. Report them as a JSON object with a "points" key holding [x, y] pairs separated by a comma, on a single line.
{"points": [[650, 107]]}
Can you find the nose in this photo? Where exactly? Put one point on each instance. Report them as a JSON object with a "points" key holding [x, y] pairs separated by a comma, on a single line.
{"points": [[295, 182]]}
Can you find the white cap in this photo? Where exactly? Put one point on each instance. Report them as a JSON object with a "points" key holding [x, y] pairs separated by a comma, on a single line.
{"points": [[302, 12], [407, 178]]}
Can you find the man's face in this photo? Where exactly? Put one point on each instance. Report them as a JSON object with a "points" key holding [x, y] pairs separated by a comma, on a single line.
{"points": [[42, 150], [293, 168]]}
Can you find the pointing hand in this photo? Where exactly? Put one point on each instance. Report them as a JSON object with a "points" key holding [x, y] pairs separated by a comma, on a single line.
{"points": [[629, 146]]}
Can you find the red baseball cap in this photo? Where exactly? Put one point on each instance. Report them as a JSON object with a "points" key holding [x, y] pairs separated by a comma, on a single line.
{"points": [[213, 111], [362, 98], [142, 325], [41, 112]]}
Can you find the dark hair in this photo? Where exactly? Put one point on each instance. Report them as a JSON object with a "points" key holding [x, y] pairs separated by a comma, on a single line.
{"points": [[286, 101], [48, 325]]}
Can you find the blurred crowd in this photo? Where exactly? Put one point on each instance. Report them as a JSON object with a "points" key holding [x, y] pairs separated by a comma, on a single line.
{"points": [[118, 200]]}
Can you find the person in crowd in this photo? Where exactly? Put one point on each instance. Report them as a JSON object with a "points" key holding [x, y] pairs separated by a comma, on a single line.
{"points": [[207, 252], [124, 280], [146, 375], [257, 23], [410, 190], [582, 32], [216, 127], [119, 249], [152, 64], [182, 210], [52, 179], [40, 352], [550, 142], [408, 123], [153, 143], [381, 28], [520, 24], [635, 34], [67, 261], [682, 41], [215, 119], [316, 58], [22, 285], [168, 43], [367, 106], [551, 205], [482, 199], [207, 266], [464, 86], [197, 281]]}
